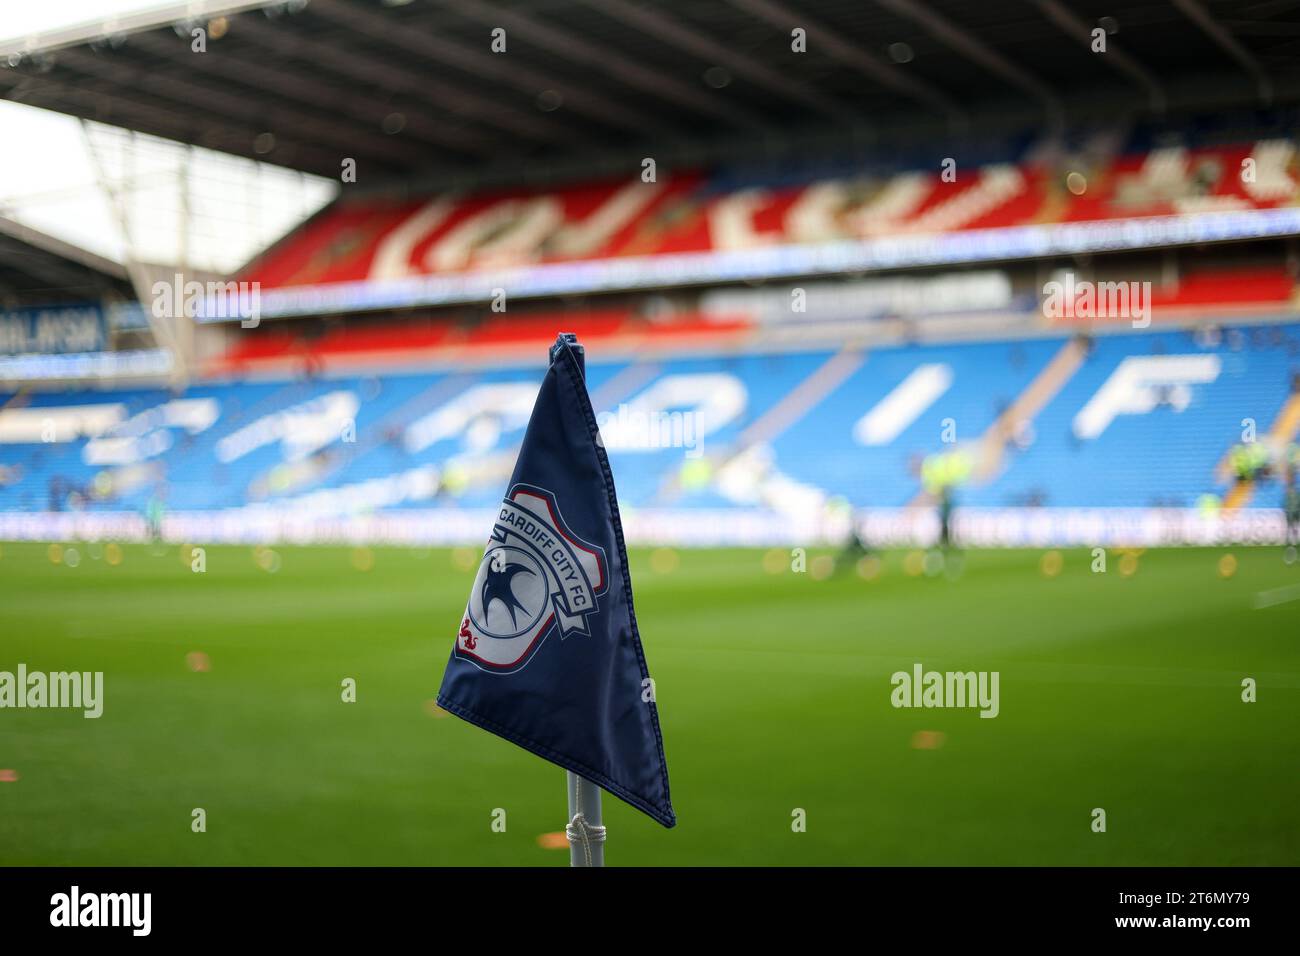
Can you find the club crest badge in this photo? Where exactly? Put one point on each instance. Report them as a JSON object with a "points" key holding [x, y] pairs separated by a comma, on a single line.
{"points": [[536, 575]]}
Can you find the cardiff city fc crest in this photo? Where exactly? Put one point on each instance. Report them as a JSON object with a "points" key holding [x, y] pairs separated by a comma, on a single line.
{"points": [[535, 575]]}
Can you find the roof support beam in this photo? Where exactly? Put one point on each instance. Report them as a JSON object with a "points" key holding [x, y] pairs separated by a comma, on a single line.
{"points": [[952, 35], [486, 66], [827, 41], [461, 104], [60, 275], [316, 93], [120, 72], [1071, 25], [186, 126], [636, 75], [1226, 41], [674, 33]]}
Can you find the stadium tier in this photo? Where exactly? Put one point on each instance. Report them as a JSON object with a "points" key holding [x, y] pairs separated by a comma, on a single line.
{"points": [[1112, 422], [725, 317], [690, 218]]}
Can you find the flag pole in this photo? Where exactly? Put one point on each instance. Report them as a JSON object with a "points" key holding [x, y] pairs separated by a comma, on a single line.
{"points": [[585, 830]]}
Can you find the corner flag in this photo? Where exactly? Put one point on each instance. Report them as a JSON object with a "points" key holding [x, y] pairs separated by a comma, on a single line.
{"points": [[547, 654]]}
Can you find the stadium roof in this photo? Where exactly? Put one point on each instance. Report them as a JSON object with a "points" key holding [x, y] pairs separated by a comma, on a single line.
{"points": [[414, 92], [37, 269]]}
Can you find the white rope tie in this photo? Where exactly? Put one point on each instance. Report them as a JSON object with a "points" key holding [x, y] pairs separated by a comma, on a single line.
{"points": [[579, 830]]}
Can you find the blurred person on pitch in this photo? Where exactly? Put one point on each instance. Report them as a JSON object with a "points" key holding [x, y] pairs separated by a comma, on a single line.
{"points": [[942, 474], [838, 512], [154, 510]]}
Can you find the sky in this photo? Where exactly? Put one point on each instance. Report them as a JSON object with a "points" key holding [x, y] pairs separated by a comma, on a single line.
{"points": [[50, 175]]}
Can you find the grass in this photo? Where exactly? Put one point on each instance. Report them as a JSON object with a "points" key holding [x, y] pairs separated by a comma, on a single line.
{"points": [[1118, 691]]}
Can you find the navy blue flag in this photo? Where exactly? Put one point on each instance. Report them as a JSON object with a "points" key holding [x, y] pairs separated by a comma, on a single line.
{"points": [[547, 653]]}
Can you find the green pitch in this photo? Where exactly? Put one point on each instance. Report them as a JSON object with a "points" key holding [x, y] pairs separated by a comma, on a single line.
{"points": [[223, 692]]}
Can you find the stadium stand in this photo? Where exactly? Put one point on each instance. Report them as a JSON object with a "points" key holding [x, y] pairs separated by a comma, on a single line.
{"points": [[383, 241], [1132, 420], [382, 383]]}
